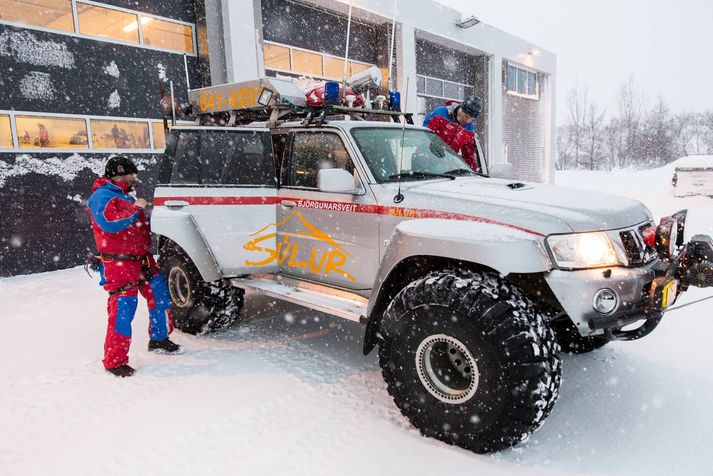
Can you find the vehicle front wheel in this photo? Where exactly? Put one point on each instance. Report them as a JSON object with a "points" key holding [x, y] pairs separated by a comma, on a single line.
{"points": [[197, 306], [468, 360]]}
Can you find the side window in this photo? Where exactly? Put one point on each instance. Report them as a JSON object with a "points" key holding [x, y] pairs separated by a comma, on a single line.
{"points": [[212, 157], [312, 151], [186, 165], [248, 159]]}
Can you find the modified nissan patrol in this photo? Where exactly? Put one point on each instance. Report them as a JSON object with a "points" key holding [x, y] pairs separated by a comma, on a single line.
{"points": [[469, 284]]}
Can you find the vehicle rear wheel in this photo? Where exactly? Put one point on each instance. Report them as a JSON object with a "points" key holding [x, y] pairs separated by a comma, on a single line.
{"points": [[198, 307], [468, 360], [571, 341]]}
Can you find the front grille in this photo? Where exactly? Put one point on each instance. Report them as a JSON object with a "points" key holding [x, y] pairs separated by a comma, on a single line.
{"points": [[637, 252]]}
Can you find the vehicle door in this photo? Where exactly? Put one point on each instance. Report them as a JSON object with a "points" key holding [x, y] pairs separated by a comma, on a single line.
{"points": [[223, 181], [326, 237]]}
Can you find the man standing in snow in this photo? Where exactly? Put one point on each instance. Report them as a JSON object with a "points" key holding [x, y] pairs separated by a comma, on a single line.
{"points": [[123, 237], [455, 123]]}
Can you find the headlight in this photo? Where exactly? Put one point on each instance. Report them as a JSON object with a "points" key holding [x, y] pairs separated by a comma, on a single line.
{"points": [[582, 250]]}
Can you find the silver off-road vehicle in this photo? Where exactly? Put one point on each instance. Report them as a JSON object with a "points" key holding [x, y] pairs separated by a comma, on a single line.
{"points": [[470, 285]]}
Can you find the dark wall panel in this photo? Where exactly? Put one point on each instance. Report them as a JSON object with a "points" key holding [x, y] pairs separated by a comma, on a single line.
{"points": [[44, 224], [315, 29], [444, 63], [49, 72], [177, 9]]}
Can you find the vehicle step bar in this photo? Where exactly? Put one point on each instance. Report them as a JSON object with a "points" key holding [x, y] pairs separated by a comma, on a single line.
{"points": [[314, 296]]}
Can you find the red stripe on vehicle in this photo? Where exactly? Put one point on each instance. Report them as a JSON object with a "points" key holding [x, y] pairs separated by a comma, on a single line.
{"points": [[160, 201], [400, 212]]}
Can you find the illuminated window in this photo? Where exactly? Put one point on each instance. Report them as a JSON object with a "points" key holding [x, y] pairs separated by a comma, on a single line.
{"points": [[358, 67], [334, 68], [5, 132], [277, 57], [53, 14], [111, 134], [54, 132], [166, 34], [108, 23], [306, 63], [159, 136]]}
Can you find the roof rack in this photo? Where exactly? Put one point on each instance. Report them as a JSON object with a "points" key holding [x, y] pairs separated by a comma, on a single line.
{"points": [[273, 101]]}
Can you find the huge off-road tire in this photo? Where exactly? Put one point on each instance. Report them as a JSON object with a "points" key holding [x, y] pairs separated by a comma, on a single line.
{"points": [[198, 307], [468, 360], [571, 341]]}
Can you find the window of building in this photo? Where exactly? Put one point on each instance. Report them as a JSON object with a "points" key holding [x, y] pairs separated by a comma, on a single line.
{"points": [[286, 59], [159, 135], [307, 63], [334, 68], [522, 82], [277, 57], [51, 132], [108, 23], [441, 89], [112, 134], [166, 34], [5, 132], [52, 14]]}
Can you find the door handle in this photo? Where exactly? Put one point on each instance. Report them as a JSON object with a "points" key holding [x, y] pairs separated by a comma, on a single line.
{"points": [[288, 204], [175, 203]]}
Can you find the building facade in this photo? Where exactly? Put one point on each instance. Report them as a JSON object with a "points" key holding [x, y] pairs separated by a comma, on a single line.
{"points": [[82, 79]]}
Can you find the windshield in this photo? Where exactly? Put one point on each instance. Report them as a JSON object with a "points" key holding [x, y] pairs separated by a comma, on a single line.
{"points": [[425, 155]]}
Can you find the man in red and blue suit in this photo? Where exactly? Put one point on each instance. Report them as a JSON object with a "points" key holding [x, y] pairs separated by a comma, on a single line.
{"points": [[455, 123], [123, 238]]}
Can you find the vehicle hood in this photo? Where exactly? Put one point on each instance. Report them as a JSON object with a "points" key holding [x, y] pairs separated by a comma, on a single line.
{"points": [[543, 208]]}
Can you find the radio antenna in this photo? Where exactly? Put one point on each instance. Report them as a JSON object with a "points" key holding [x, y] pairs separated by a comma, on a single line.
{"points": [[185, 66], [399, 196], [391, 49], [346, 53]]}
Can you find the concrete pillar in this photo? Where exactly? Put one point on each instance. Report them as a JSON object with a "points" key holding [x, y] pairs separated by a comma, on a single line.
{"points": [[242, 33], [215, 41], [406, 64], [495, 118], [550, 128]]}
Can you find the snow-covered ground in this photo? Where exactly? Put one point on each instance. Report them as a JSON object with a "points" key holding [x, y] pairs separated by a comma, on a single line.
{"points": [[288, 392]]}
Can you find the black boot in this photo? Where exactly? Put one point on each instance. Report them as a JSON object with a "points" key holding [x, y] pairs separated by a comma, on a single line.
{"points": [[122, 371], [165, 347]]}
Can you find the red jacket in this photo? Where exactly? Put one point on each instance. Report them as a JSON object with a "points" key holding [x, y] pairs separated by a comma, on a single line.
{"points": [[119, 226], [460, 138]]}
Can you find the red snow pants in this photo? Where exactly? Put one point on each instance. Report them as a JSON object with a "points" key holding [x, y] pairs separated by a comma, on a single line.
{"points": [[129, 278]]}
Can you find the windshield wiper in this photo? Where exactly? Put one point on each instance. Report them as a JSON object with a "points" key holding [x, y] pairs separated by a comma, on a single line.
{"points": [[417, 174], [465, 172]]}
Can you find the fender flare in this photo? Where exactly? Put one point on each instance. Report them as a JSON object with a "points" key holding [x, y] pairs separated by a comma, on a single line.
{"points": [[485, 245], [182, 229]]}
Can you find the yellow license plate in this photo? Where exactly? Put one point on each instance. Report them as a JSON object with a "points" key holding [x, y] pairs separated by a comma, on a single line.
{"points": [[669, 293]]}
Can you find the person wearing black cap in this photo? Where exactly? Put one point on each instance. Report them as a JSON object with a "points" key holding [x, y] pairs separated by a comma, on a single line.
{"points": [[123, 238], [455, 123]]}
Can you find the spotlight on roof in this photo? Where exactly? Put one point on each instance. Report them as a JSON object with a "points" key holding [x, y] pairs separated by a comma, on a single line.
{"points": [[534, 52], [466, 21]]}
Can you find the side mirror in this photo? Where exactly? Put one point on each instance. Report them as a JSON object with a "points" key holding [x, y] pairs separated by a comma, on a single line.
{"points": [[503, 171], [335, 181]]}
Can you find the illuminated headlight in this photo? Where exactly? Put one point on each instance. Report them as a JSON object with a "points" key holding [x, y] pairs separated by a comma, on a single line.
{"points": [[582, 250]]}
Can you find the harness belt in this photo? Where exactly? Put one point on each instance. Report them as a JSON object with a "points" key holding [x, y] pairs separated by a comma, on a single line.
{"points": [[146, 272]]}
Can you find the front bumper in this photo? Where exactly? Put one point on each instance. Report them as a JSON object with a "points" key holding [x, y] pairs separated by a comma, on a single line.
{"points": [[575, 291]]}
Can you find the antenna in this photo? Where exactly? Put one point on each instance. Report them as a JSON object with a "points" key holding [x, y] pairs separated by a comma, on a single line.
{"points": [[173, 108], [391, 49], [185, 66], [346, 53], [400, 196]]}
